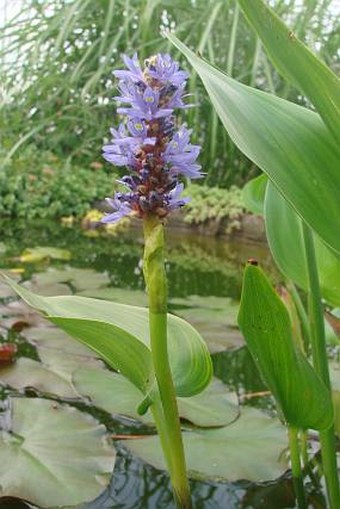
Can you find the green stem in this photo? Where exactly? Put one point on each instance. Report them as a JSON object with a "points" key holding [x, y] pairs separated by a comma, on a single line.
{"points": [[165, 411], [296, 467], [320, 361]]}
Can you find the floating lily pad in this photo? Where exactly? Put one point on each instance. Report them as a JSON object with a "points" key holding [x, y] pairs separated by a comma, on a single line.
{"points": [[121, 295], [38, 254], [54, 374], [206, 302], [52, 337], [209, 315], [5, 290], [217, 326], [18, 313], [251, 448], [30, 373], [117, 395], [47, 289], [53, 455], [81, 279]]}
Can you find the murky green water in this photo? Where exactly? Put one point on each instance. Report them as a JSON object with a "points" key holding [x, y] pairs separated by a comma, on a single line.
{"points": [[205, 277]]}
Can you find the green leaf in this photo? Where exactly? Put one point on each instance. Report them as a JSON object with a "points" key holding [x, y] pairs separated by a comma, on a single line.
{"points": [[251, 448], [253, 194], [291, 144], [265, 323], [120, 335], [41, 434], [117, 395], [284, 234], [296, 62]]}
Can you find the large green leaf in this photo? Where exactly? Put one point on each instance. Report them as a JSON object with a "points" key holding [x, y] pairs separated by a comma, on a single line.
{"points": [[120, 335], [296, 62], [265, 323], [284, 233], [250, 448], [53, 455], [291, 144]]}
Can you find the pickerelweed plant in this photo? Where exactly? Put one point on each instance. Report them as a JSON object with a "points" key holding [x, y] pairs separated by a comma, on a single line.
{"points": [[156, 154], [161, 354]]}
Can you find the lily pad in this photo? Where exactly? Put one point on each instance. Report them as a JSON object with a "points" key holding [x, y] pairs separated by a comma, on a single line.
{"points": [[47, 289], [53, 375], [18, 313], [217, 325], [52, 337], [117, 395], [30, 373], [53, 455], [80, 279], [122, 295], [38, 254], [251, 448], [206, 302]]}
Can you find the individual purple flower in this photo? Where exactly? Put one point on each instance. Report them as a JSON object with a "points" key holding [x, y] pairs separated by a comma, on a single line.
{"points": [[134, 72], [163, 69], [120, 210], [148, 143], [145, 105]]}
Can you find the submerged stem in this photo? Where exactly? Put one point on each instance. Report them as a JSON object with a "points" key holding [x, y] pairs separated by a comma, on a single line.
{"points": [[165, 411], [320, 361], [296, 467]]}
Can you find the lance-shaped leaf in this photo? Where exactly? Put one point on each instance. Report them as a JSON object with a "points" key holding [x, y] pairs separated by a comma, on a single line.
{"points": [[291, 144], [296, 62], [120, 335], [265, 323], [253, 194], [284, 234]]}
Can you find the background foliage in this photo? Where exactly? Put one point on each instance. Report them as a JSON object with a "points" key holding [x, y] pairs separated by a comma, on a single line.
{"points": [[57, 58]]}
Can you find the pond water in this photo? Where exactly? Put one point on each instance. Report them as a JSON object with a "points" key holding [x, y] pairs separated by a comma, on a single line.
{"points": [[205, 277]]}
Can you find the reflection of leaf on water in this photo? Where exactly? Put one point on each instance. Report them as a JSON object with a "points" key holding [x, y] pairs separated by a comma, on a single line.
{"points": [[42, 434], [115, 394], [38, 254], [250, 448]]}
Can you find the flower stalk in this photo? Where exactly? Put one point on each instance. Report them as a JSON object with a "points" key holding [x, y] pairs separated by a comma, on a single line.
{"points": [[166, 411], [156, 153]]}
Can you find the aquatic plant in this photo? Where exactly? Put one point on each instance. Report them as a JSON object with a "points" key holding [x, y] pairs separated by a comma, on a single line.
{"points": [[162, 355], [298, 150], [156, 154]]}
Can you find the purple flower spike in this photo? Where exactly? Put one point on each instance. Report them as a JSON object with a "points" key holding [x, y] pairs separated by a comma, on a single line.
{"points": [[148, 143]]}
